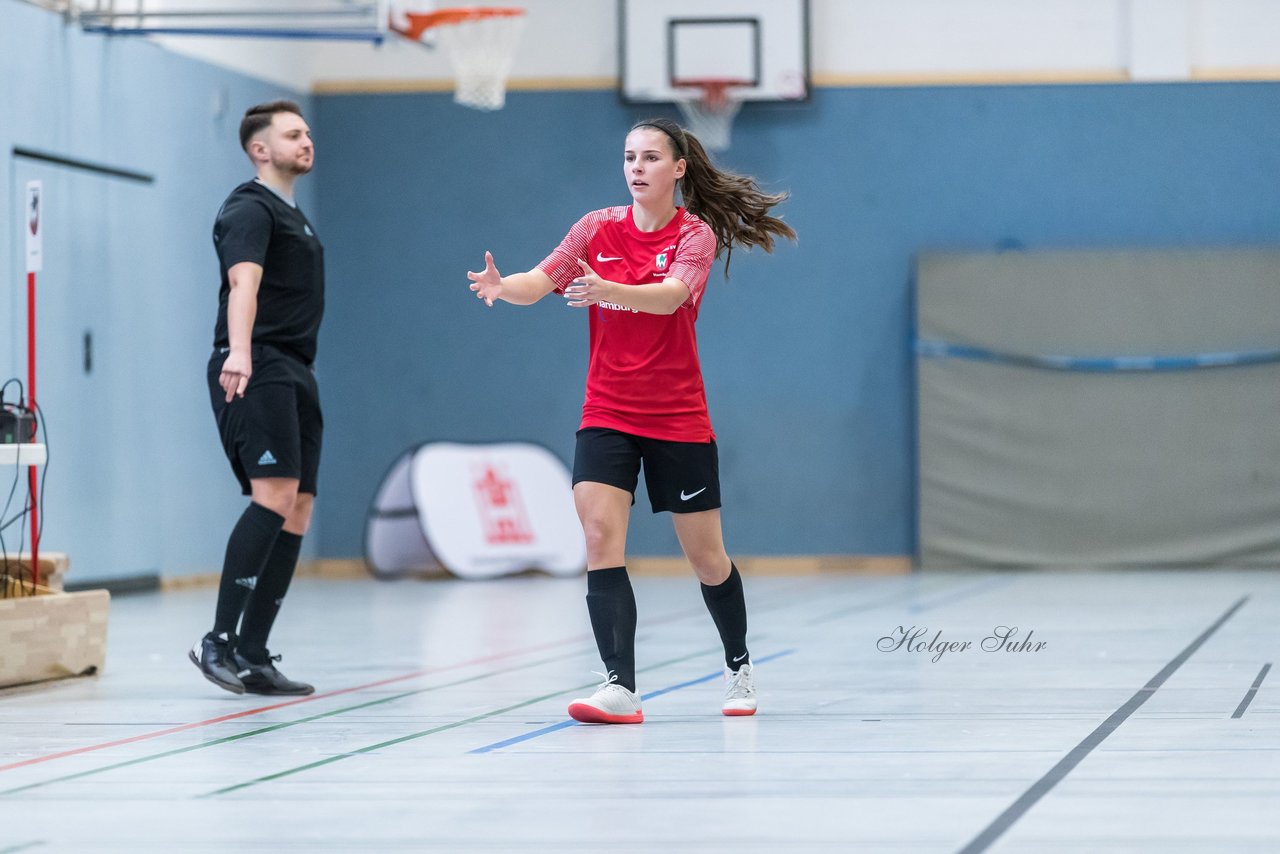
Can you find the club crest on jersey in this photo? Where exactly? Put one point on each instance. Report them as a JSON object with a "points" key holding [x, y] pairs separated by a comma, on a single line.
{"points": [[660, 261]]}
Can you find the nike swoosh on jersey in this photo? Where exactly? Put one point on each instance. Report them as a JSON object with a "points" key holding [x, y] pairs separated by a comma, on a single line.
{"points": [[601, 259]]}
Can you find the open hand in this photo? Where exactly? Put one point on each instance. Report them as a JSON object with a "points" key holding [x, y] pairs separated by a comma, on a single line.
{"points": [[487, 284], [586, 290]]}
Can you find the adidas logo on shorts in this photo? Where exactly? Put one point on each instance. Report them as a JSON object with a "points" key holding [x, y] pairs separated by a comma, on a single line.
{"points": [[267, 459]]}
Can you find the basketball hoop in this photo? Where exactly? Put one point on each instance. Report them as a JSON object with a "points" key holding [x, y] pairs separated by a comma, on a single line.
{"points": [[481, 43], [708, 107]]}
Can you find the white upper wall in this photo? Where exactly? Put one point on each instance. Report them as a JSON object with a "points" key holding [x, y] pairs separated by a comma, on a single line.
{"points": [[939, 39], [1234, 36], [569, 43]]}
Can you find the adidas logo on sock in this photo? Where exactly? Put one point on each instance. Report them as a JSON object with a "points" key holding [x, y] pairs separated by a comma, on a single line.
{"points": [[251, 582], [267, 459]]}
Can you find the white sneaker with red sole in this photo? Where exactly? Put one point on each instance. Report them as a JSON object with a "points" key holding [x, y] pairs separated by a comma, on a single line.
{"points": [[739, 692], [610, 704]]}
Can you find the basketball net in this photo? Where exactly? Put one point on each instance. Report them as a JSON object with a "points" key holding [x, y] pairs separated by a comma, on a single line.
{"points": [[481, 43], [708, 107]]}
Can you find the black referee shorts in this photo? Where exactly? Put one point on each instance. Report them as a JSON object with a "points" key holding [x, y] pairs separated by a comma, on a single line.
{"points": [[681, 477], [275, 430]]}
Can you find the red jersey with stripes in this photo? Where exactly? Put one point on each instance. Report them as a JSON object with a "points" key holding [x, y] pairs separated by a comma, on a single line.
{"points": [[643, 377]]}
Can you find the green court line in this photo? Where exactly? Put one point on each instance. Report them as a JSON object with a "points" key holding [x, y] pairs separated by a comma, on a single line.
{"points": [[25, 846], [284, 725], [443, 728]]}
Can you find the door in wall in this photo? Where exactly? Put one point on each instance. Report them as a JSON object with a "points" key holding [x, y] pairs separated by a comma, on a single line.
{"points": [[98, 368]]}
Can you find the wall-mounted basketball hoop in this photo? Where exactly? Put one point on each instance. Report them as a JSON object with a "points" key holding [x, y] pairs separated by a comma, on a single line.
{"points": [[481, 43], [710, 57], [709, 107]]}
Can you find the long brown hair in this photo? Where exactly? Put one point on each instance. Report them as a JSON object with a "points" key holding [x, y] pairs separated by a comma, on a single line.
{"points": [[733, 205]]}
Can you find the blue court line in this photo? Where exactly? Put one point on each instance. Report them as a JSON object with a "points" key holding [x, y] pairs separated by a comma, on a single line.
{"points": [[483, 716], [954, 594], [556, 727], [974, 589], [871, 605]]}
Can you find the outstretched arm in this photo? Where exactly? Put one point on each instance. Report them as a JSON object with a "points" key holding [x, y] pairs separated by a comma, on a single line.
{"points": [[517, 289]]}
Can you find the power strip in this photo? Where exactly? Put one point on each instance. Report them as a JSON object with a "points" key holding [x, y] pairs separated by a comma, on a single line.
{"points": [[17, 424]]}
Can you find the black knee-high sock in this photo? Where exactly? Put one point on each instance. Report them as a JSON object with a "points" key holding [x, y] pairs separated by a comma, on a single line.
{"points": [[612, 606], [728, 607], [251, 541], [264, 603]]}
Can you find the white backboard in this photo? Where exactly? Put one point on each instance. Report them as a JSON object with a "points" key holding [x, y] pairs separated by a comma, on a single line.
{"points": [[763, 43]]}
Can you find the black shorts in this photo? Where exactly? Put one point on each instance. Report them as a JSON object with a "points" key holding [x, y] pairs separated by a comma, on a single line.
{"points": [[682, 477], [276, 428]]}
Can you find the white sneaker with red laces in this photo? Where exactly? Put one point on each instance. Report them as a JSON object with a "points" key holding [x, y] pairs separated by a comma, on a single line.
{"points": [[739, 692], [610, 704]]}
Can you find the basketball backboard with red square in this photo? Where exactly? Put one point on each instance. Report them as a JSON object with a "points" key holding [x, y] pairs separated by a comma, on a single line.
{"points": [[667, 45]]}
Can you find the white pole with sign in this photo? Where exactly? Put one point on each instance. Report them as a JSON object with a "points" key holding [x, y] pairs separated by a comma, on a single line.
{"points": [[32, 215]]}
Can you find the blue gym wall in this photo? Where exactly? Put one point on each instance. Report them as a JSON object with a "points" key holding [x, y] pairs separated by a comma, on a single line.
{"points": [[136, 482], [806, 353]]}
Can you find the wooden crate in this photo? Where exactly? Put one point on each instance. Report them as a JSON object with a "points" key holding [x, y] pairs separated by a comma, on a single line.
{"points": [[45, 634], [53, 567]]}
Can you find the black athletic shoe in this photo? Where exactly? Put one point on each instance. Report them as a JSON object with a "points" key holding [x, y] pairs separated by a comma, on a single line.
{"points": [[265, 679], [212, 654]]}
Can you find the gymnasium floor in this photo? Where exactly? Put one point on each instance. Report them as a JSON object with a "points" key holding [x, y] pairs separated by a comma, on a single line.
{"points": [[439, 723]]}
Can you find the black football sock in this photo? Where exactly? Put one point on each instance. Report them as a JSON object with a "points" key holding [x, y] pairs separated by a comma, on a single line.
{"points": [[612, 606], [264, 603], [728, 607], [251, 541]]}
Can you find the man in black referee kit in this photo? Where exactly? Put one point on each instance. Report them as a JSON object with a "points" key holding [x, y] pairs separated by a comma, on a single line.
{"points": [[264, 394]]}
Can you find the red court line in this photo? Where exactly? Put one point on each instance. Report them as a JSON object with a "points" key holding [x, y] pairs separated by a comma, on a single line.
{"points": [[35, 760]]}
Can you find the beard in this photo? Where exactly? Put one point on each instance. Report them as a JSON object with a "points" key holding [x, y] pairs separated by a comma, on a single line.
{"points": [[293, 166]]}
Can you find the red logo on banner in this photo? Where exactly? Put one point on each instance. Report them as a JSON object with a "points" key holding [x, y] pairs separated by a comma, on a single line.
{"points": [[33, 219], [502, 511]]}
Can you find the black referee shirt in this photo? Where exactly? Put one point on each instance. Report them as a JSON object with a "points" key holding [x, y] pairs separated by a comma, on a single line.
{"points": [[254, 224]]}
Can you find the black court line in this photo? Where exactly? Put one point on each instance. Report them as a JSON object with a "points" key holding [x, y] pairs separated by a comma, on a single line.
{"points": [[1248, 697], [1041, 787]]}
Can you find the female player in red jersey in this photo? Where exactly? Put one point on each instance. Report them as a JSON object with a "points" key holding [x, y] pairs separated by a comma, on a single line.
{"points": [[640, 271]]}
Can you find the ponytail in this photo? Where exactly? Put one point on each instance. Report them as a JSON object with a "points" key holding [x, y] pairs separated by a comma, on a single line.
{"points": [[735, 208]]}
